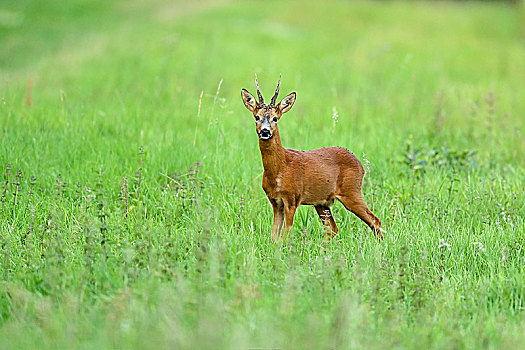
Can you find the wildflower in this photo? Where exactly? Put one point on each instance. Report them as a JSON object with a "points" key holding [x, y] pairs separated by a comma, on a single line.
{"points": [[367, 163], [504, 255], [443, 244], [479, 246], [335, 116], [242, 204]]}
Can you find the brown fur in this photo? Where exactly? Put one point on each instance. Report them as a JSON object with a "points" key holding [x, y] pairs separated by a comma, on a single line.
{"points": [[316, 177]]}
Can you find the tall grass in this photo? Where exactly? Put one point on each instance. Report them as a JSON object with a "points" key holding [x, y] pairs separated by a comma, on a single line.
{"points": [[131, 213]]}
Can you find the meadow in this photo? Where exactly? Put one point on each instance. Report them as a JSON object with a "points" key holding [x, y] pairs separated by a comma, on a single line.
{"points": [[131, 207]]}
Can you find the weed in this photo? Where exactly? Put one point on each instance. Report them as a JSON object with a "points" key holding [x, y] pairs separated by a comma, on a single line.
{"points": [[420, 160]]}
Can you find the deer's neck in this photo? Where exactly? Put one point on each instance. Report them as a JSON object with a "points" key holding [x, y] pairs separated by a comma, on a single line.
{"points": [[273, 155]]}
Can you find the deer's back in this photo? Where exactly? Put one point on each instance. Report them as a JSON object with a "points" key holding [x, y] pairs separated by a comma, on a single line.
{"points": [[322, 173]]}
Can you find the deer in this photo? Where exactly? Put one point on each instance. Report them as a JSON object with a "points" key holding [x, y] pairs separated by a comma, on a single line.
{"points": [[315, 177]]}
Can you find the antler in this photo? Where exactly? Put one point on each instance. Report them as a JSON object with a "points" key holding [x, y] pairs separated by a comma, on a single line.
{"points": [[261, 99], [276, 92]]}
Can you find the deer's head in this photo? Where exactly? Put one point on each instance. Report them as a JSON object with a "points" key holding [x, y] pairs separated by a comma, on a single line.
{"points": [[267, 115]]}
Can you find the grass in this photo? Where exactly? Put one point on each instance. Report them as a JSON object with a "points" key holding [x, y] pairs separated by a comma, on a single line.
{"points": [[131, 209]]}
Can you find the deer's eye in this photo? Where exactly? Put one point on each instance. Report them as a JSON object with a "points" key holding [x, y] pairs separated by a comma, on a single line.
{"points": [[275, 119], [257, 118]]}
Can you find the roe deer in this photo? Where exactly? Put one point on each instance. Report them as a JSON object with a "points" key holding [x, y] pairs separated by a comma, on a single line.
{"points": [[316, 177]]}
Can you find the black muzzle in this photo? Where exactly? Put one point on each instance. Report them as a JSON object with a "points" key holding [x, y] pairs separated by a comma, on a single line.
{"points": [[265, 134]]}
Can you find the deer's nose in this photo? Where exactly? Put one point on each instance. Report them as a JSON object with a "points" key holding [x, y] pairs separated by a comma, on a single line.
{"points": [[265, 134]]}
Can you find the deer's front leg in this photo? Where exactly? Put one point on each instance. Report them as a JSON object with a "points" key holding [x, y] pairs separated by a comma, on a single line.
{"points": [[289, 213], [278, 219]]}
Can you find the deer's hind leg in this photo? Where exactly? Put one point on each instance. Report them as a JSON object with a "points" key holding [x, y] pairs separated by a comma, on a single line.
{"points": [[357, 205], [325, 214]]}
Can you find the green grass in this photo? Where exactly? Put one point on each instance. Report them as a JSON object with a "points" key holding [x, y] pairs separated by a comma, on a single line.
{"points": [[113, 237]]}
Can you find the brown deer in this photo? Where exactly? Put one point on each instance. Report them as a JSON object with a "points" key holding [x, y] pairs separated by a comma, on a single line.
{"points": [[316, 177]]}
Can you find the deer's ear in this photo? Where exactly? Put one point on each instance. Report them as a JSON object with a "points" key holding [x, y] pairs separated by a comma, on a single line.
{"points": [[249, 100], [286, 103]]}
